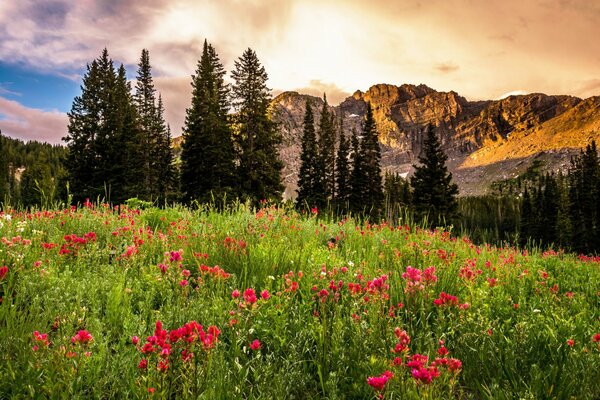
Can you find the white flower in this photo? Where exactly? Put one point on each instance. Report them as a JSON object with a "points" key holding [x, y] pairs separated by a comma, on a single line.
{"points": [[7, 217], [350, 263]]}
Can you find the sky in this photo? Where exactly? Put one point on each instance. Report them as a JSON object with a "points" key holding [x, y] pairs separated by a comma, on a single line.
{"points": [[480, 49]]}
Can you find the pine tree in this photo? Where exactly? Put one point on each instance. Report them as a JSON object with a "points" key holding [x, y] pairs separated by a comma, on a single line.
{"points": [[103, 139], [308, 175], [4, 192], [37, 186], [342, 171], [525, 228], [145, 102], [166, 181], [86, 123], [326, 152], [434, 194], [207, 157], [371, 155], [257, 136], [358, 181]]}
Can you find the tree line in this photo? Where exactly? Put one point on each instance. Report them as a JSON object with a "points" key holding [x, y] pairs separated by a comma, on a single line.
{"points": [[31, 173], [119, 146]]}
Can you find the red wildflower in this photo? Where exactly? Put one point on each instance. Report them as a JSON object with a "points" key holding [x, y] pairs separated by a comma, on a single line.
{"points": [[250, 296], [265, 294], [82, 337], [235, 294], [3, 272], [378, 382], [255, 345]]}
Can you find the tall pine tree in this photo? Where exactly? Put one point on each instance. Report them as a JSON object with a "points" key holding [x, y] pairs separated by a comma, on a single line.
{"points": [[326, 152], [342, 171], [371, 156], [434, 194], [309, 175], [257, 136], [358, 181], [166, 181], [207, 157]]}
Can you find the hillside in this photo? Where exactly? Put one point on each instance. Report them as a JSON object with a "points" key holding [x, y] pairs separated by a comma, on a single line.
{"points": [[485, 140]]}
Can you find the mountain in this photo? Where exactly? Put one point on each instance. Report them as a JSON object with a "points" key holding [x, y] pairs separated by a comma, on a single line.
{"points": [[485, 140]]}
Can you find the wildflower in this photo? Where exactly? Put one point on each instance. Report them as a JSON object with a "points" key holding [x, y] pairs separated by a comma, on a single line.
{"points": [[235, 294], [570, 342], [151, 390], [183, 283], [135, 340], [143, 364], [250, 296], [3, 271], [255, 345], [82, 337], [378, 382], [454, 364], [265, 294]]}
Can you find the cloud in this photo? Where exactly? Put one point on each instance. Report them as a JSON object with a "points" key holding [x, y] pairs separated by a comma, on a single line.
{"points": [[316, 87], [588, 88], [25, 123], [446, 68], [511, 93], [5, 91]]}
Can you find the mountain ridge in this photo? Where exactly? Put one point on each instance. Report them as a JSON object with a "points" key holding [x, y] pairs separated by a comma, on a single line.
{"points": [[485, 140]]}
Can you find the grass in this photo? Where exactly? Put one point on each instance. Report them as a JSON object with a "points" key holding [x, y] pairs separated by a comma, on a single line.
{"points": [[522, 324]]}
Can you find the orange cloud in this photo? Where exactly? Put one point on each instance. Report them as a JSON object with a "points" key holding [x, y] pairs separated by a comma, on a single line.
{"points": [[25, 123]]}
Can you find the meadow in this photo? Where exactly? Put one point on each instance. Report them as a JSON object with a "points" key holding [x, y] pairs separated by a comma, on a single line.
{"points": [[101, 302]]}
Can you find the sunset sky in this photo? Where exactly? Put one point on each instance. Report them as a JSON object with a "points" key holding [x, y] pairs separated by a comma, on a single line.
{"points": [[480, 49]]}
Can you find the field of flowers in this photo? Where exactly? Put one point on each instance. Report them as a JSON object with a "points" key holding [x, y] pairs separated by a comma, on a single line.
{"points": [[177, 303]]}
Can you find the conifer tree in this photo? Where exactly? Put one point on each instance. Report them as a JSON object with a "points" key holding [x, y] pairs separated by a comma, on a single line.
{"points": [[257, 136], [326, 152], [4, 193], [525, 229], [145, 102], [342, 171], [357, 179], [371, 155], [434, 194], [166, 181], [308, 175], [207, 157], [87, 120], [103, 139]]}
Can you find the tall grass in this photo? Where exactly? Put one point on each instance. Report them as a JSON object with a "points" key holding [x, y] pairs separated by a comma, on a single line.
{"points": [[336, 291]]}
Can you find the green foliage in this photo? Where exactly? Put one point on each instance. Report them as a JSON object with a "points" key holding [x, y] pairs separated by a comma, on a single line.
{"points": [[208, 157], [520, 319], [156, 158], [325, 160], [434, 194], [310, 193], [33, 168], [342, 172], [104, 157], [256, 135]]}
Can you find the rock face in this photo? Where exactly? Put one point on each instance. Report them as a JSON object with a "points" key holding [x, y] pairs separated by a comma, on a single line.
{"points": [[485, 140]]}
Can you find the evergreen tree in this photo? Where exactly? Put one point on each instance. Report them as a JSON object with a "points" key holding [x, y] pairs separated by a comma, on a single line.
{"points": [[326, 152], [85, 122], [4, 193], [207, 157], [342, 171], [309, 175], [145, 102], [166, 181], [371, 155], [549, 211], [358, 181], [104, 136], [584, 196], [525, 231], [257, 136], [37, 186], [434, 194]]}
